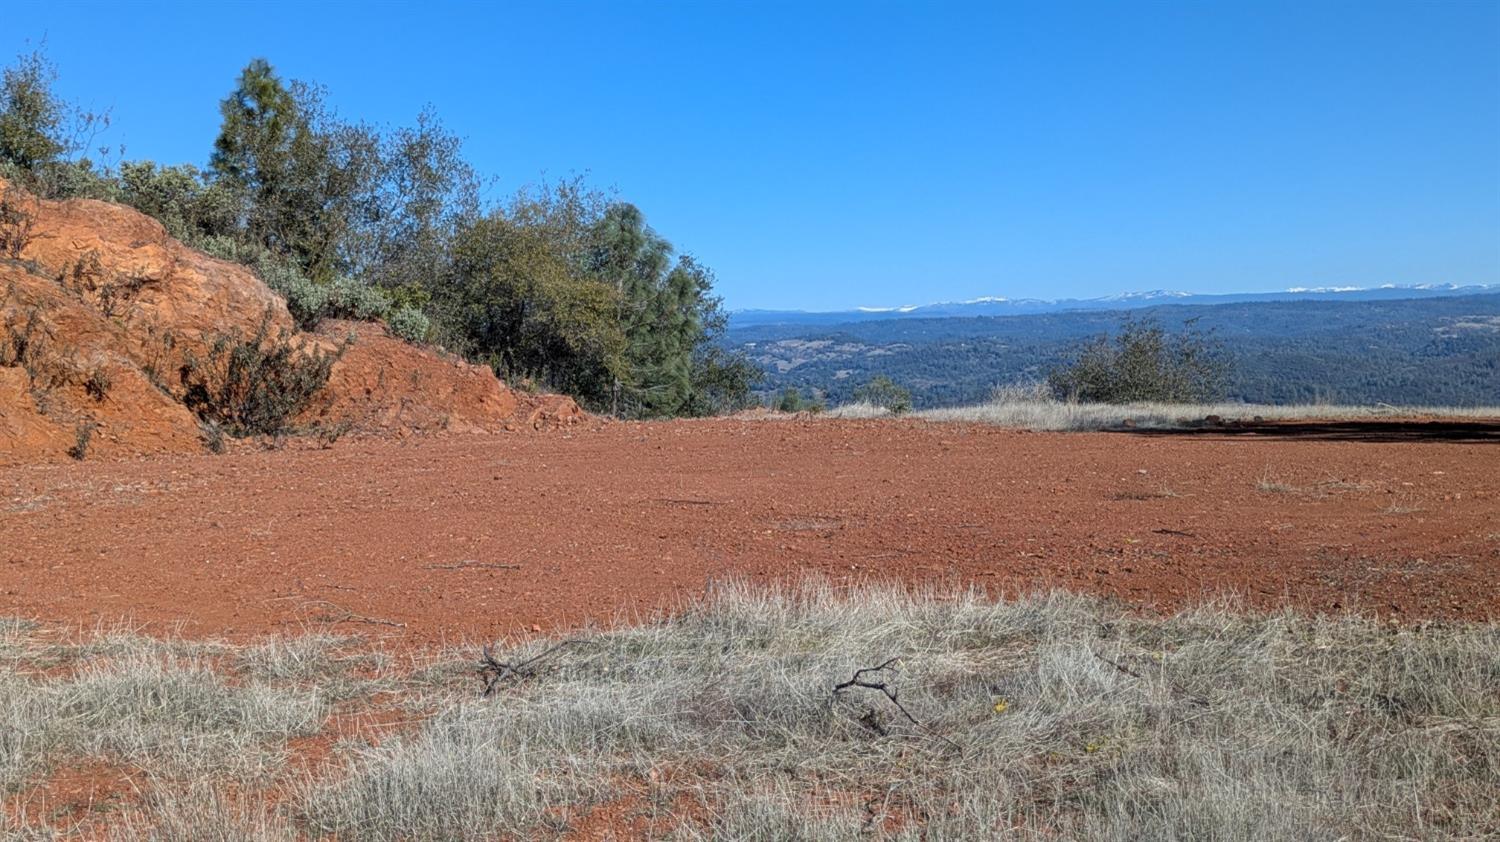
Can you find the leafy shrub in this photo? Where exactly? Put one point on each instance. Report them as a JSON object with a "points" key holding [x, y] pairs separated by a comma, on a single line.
{"points": [[350, 299], [792, 400], [1144, 363], [410, 324], [42, 136], [190, 207], [885, 393], [255, 385]]}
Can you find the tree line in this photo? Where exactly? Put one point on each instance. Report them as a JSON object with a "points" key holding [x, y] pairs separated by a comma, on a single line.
{"points": [[561, 285]]}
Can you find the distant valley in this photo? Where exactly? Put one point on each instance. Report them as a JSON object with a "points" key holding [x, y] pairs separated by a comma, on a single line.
{"points": [[1434, 345]]}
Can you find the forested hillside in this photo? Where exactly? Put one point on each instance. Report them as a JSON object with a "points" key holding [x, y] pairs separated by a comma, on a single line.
{"points": [[560, 286], [1423, 351]]}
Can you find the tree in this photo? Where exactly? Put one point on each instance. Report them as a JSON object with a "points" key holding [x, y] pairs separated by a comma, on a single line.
{"points": [[41, 135], [31, 116], [518, 303], [884, 392], [308, 180], [1144, 363]]}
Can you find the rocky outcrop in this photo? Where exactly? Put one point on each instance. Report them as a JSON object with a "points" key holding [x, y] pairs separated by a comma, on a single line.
{"points": [[100, 307]]}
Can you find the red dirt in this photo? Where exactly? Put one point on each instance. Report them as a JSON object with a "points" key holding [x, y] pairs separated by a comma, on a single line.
{"points": [[102, 290], [626, 518]]}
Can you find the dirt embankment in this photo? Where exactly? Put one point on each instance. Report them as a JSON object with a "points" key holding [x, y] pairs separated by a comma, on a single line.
{"points": [[99, 308]]}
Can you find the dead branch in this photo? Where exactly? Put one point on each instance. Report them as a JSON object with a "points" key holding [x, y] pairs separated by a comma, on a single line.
{"points": [[492, 671], [858, 680], [465, 565], [350, 617]]}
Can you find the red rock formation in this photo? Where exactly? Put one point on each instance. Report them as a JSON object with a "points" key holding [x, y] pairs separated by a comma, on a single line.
{"points": [[102, 306]]}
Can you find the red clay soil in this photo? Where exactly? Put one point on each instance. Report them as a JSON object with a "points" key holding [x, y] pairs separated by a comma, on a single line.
{"points": [[471, 537], [103, 309]]}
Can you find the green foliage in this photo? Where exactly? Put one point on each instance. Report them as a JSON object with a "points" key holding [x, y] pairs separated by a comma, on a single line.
{"points": [[409, 323], [723, 382], [884, 392], [31, 116], [561, 285], [41, 136], [1143, 363], [304, 175], [190, 206], [255, 385], [516, 299], [791, 400]]}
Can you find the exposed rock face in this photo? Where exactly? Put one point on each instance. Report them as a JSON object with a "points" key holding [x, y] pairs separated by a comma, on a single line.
{"points": [[384, 384], [102, 306]]}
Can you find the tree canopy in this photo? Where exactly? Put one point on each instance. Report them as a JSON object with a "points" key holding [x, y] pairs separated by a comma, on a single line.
{"points": [[561, 285]]}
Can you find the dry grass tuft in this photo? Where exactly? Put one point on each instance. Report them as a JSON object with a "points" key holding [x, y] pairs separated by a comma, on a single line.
{"points": [[1050, 716], [1041, 717]]}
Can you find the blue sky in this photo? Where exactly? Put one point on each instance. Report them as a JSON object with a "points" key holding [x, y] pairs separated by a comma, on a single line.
{"points": [[828, 155]]}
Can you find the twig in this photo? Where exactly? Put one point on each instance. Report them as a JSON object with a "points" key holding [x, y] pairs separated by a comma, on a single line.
{"points": [[463, 565], [869, 720], [351, 617], [857, 680], [1119, 666], [687, 502], [492, 671]]}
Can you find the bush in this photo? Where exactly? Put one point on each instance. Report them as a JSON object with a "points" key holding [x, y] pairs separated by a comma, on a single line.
{"points": [[884, 392], [255, 385], [410, 324], [350, 299], [1144, 363], [82, 436], [791, 400], [15, 225]]}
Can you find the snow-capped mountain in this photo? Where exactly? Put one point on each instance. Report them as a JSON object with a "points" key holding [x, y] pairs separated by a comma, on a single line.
{"points": [[1001, 306]]}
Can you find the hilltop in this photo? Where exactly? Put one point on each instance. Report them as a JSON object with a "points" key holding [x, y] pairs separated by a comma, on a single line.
{"points": [[108, 324]]}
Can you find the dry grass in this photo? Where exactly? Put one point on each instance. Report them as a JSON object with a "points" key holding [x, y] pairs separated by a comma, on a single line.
{"points": [[1051, 716], [1272, 483], [1044, 717], [1029, 408]]}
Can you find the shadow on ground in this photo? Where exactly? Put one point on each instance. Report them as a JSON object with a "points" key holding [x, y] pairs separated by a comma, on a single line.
{"points": [[1478, 431]]}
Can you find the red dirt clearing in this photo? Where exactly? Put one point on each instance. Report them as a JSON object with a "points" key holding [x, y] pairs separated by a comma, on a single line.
{"points": [[478, 536]]}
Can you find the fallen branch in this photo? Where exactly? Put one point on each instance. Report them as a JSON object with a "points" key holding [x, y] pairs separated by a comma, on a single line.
{"points": [[464, 565], [870, 720], [858, 680], [492, 671], [351, 617]]}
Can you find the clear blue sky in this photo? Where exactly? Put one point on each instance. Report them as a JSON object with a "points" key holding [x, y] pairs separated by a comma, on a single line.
{"points": [[822, 155]]}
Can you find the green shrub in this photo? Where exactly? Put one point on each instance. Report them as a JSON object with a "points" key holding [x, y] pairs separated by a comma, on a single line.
{"points": [[791, 400], [350, 299], [410, 324], [884, 392], [1144, 363], [255, 385]]}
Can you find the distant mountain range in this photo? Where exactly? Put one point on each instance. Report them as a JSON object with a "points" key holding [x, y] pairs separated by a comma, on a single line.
{"points": [[1399, 345], [996, 306]]}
